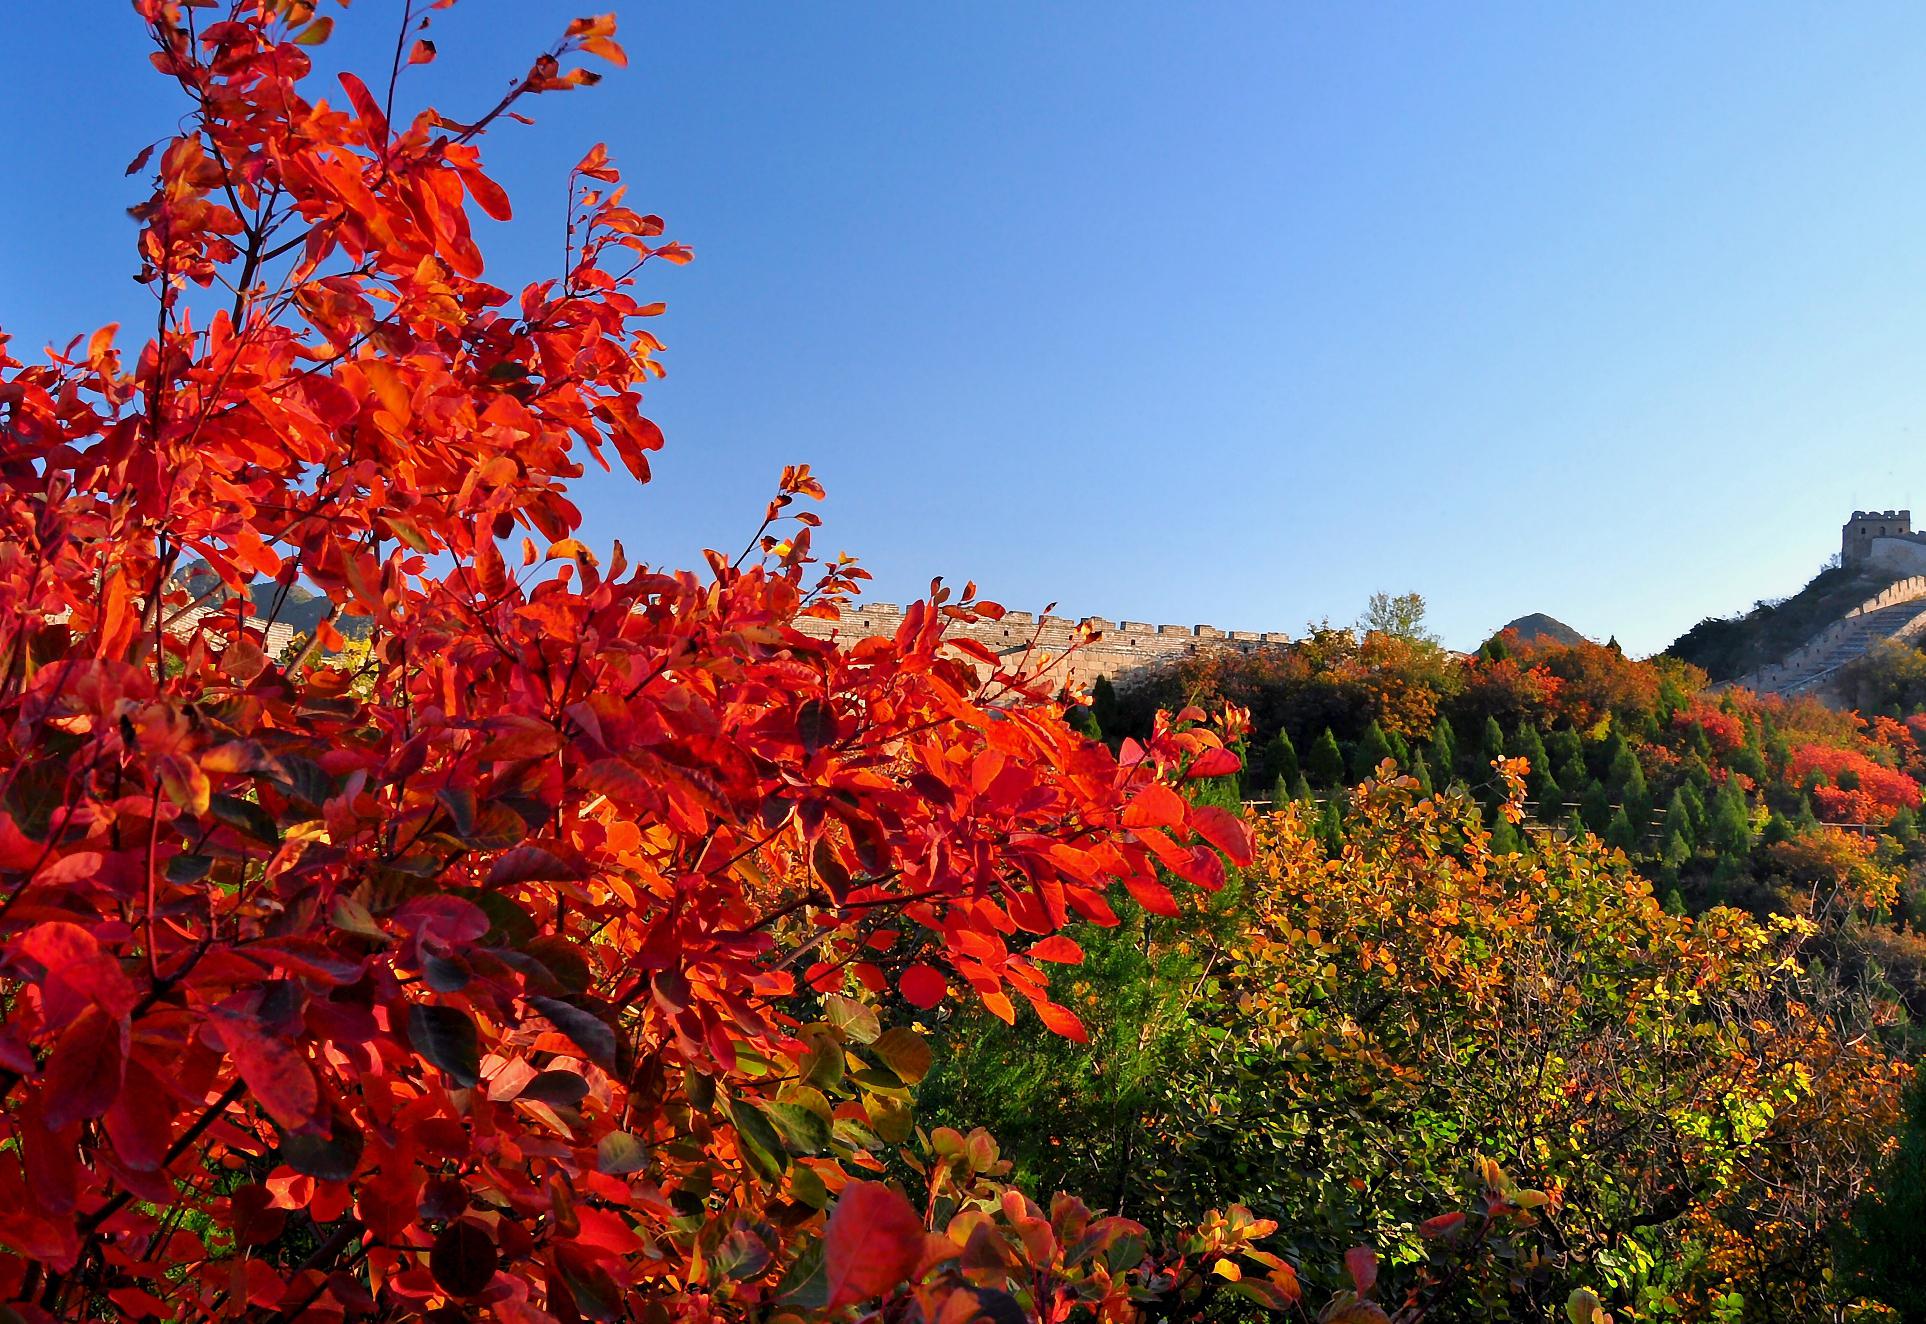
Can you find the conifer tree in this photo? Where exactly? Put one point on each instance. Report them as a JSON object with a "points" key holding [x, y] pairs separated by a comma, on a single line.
{"points": [[1596, 807], [1805, 820], [1776, 829], [1330, 828], [1504, 835], [1575, 825], [1301, 789], [1573, 779], [1103, 706], [1493, 746], [1443, 753], [1400, 751], [1325, 764], [1626, 781], [1280, 757], [1280, 794], [1421, 771], [1369, 752], [1680, 823], [1620, 834], [1083, 721], [1526, 744], [1730, 832], [1675, 852]]}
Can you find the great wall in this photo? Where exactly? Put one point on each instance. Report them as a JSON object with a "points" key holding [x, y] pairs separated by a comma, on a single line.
{"points": [[1074, 652], [1078, 651]]}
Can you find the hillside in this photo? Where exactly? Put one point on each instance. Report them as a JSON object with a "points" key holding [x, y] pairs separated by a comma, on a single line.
{"points": [[1538, 628], [1727, 647]]}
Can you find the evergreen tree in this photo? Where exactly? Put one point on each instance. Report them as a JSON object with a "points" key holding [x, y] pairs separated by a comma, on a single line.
{"points": [[1325, 764], [1674, 902], [1805, 820], [1422, 772], [1776, 830], [1280, 794], [1504, 835], [1280, 757], [1675, 852], [1330, 828], [1575, 825], [1544, 791], [1400, 751], [1730, 832], [1103, 706], [1083, 720], [1626, 780], [1372, 750], [1619, 832], [1573, 779], [1526, 744], [1595, 806], [1301, 789], [1443, 753], [1492, 748], [1679, 822], [1905, 827], [1563, 747]]}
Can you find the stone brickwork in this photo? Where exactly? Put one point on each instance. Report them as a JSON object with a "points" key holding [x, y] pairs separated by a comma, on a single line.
{"points": [[1120, 650], [1867, 527]]}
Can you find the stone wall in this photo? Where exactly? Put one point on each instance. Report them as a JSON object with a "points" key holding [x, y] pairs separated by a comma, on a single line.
{"points": [[1898, 554], [1118, 650]]}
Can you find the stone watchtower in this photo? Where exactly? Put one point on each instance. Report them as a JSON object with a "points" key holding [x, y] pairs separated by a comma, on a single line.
{"points": [[1865, 525]]}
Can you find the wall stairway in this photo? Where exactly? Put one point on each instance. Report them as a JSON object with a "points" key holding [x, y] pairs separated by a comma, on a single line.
{"points": [[1898, 613]]}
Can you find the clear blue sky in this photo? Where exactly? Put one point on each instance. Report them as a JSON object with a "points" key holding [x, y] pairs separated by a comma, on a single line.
{"points": [[1224, 313]]}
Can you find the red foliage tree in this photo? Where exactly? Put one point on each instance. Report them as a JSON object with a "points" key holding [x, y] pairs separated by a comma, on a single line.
{"points": [[1854, 789], [466, 965]]}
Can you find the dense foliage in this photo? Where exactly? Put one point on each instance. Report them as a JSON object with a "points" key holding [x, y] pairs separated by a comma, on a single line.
{"points": [[571, 939]]}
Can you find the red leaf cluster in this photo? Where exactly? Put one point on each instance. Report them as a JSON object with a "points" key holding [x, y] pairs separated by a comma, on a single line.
{"points": [[482, 948]]}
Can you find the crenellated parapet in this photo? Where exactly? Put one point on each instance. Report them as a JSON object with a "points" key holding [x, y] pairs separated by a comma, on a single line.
{"points": [[1081, 650]]}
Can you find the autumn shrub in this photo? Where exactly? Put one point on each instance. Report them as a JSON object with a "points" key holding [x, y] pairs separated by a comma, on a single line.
{"points": [[1349, 1040], [567, 948]]}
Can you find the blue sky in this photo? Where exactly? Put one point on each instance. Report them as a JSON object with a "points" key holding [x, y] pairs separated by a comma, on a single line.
{"points": [[1225, 313]]}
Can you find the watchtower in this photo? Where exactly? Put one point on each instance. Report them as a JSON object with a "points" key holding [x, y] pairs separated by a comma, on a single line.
{"points": [[1857, 536]]}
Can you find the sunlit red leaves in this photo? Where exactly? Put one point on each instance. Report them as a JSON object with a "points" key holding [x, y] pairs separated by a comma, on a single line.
{"points": [[873, 1242]]}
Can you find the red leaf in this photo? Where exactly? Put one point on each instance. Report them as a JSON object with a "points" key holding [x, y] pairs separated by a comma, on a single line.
{"points": [[1223, 830], [1062, 1021], [923, 985], [1157, 806], [1362, 1262], [873, 1243], [277, 1076], [1056, 948], [84, 1071]]}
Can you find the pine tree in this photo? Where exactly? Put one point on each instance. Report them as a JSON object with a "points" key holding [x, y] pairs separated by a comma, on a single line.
{"points": [[1620, 834], [1301, 789], [1330, 828], [1805, 820], [1083, 720], [1526, 744], [1676, 852], [1369, 752], [1776, 830], [1504, 836], [1595, 805], [1573, 778], [1103, 706], [1400, 751], [1575, 825], [1493, 747], [1280, 794], [1280, 757], [1730, 832], [1443, 753], [1325, 764], [1626, 780], [1679, 823], [1422, 772]]}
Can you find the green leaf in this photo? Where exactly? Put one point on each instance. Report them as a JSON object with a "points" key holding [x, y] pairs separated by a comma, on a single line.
{"points": [[805, 1131], [619, 1153]]}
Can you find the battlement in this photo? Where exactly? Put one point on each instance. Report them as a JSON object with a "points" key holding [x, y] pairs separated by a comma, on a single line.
{"points": [[1102, 647], [1857, 536]]}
